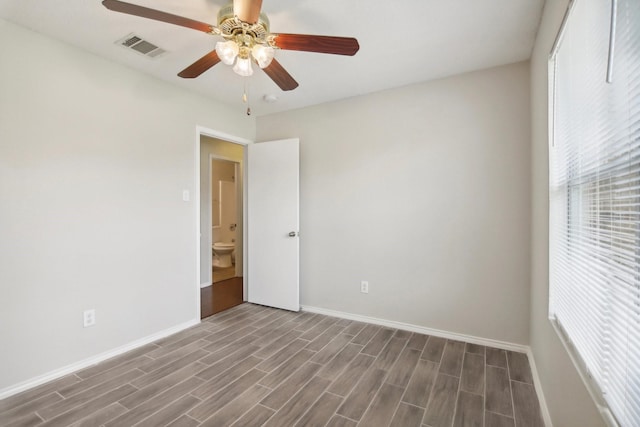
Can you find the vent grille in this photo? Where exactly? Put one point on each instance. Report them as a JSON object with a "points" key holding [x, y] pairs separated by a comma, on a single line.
{"points": [[141, 46]]}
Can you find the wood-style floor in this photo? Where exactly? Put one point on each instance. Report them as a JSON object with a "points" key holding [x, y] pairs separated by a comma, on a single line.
{"points": [[220, 296], [253, 366], [220, 274]]}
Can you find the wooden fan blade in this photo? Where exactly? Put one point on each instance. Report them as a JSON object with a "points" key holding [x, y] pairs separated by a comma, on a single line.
{"points": [[247, 10], [280, 76], [145, 12], [200, 66], [320, 44]]}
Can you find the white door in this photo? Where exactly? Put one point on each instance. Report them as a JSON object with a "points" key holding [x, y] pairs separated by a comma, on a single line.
{"points": [[272, 222]]}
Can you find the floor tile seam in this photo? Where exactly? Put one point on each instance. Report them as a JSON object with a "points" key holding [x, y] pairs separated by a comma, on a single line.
{"points": [[288, 376], [396, 409], [285, 361], [228, 347], [319, 350], [412, 404], [385, 343], [344, 416], [119, 365], [263, 371], [455, 406], [378, 329], [498, 413], [232, 320], [219, 336], [193, 395], [320, 334], [156, 395], [484, 390], [167, 364], [513, 406], [233, 400], [430, 395], [76, 393], [441, 354], [85, 403], [419, 349], [500, 367], [471, 392], [334, 394], [395, 362], [448, 375], [291, 397], [265, 407], [383, 382], [521, 382], [276, 339], [14, 418], [217, 391], [37, 412], [110, 376], [187, 334], [281, 347], [343, 368], [173, 372], [162, 407], [17, 408], [294, 422], [230, 357]]}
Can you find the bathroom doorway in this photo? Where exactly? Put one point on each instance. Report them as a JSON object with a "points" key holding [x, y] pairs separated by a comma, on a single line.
{"points": [[221, 224], [224, 219]]}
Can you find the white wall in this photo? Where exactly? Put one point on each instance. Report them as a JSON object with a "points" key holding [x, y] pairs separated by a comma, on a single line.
{"points": [[424, 192], [227, 150], [567, 398], [93, 161]]}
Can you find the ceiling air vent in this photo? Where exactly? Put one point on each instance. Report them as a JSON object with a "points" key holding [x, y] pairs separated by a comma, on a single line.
{"points": [[140, 45]]}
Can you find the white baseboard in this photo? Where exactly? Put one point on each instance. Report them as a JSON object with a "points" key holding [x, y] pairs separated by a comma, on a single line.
{"points": [[419, 329], [205, 284], [49, 376], [546, 416], [449, 335]]}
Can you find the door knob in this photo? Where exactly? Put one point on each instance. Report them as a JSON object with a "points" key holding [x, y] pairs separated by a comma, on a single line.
{"points": [[292, 234]]}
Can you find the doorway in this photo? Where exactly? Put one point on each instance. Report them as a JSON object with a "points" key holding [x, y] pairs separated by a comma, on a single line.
{"points": [[273, 280], [221, 218]]}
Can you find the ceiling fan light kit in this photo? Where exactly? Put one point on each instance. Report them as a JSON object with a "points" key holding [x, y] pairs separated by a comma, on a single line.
{"points": [[247, 40]]}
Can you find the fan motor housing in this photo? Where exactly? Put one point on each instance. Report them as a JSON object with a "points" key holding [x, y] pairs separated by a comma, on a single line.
{"points": [[230, 25]]}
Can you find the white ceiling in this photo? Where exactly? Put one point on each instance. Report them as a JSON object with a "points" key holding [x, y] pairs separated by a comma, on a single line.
{"points": [[401, 42]]}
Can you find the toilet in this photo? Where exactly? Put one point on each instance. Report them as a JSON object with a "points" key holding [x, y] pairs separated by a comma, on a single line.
{"points": [[222, 254]]}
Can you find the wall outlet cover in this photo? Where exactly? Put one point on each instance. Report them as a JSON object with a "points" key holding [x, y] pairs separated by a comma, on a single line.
{"points": [[364, 287], [89, 317]]}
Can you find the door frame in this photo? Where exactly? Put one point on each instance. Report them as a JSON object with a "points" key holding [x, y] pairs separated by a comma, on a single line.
{"points": [[204, 131]]}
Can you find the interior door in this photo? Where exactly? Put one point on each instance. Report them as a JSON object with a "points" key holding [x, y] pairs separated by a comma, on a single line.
{"points": [[272, 221]]}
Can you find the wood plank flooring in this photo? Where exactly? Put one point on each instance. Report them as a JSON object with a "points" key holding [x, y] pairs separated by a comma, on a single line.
{"points": [[255, 366], [220, 274], [220, 296]]}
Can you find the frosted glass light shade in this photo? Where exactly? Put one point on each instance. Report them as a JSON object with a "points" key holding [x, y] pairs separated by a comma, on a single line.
{"points": [[263, 55], [243, 67], [227, 51]]}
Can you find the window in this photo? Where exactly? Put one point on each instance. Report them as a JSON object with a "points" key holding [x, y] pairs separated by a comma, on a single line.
{"points": [[594, 198]]}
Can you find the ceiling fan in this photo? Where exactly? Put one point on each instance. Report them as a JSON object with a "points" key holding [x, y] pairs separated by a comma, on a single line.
{"points": [[247, 40]]}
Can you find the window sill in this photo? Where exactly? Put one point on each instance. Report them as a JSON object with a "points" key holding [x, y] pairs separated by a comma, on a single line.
{"points": [[592, 387]]}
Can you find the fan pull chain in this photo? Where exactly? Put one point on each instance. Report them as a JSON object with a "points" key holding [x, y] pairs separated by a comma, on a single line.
{"points": [[245, 98]]}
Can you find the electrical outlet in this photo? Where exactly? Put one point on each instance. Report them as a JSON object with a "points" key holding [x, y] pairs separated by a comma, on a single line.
{"points": [[364, 287], [89, 317]]}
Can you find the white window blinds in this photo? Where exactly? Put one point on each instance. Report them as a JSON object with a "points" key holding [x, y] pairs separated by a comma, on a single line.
{"points": [[594, 179]]}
